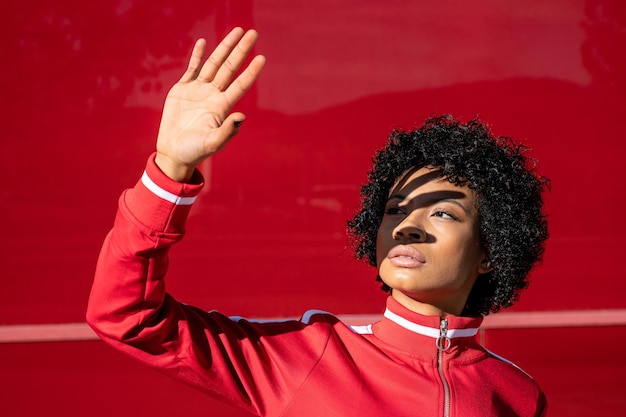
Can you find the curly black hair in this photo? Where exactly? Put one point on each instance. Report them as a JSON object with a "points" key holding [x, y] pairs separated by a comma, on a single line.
{"points": [[513, 228]]}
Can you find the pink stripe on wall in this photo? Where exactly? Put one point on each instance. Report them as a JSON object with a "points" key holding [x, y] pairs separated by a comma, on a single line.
{"points": [[29, 333]]}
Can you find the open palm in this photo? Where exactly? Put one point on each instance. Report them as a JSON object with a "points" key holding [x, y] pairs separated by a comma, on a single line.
{"points": [[196, 119]]}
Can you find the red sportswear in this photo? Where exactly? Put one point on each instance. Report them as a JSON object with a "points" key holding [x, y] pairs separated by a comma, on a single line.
{"points": [[405, 365]]}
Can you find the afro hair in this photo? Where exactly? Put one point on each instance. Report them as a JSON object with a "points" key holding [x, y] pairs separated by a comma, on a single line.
{"points": [[513, 228]]}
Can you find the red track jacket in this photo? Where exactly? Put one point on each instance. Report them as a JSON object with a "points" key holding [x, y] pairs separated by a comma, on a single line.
{"points": [[405, 365]]}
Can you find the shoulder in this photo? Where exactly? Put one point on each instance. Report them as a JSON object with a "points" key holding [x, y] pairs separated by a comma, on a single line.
{"points": [[505, 373], [505, 363], [312, 325], [514, 386], [311, 318]]}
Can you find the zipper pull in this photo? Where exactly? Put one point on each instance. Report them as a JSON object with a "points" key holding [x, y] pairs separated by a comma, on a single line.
{"points": [[443, 341]]}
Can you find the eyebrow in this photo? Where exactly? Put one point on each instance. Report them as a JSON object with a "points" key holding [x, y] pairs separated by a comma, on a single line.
{"points": [[431, 198]]}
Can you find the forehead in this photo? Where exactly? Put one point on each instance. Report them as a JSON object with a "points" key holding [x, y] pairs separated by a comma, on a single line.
{"points": [[415, 178], [417, 181]]}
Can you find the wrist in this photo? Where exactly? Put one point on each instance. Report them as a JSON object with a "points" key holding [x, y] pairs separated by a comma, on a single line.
{"points": [[174, 170]]}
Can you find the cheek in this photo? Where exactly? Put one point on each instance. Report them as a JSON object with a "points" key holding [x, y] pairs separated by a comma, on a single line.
{"points": [[472, 254]]}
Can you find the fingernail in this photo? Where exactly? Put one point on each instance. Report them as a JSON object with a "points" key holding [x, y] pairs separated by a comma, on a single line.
{"points": [[237, 123]]}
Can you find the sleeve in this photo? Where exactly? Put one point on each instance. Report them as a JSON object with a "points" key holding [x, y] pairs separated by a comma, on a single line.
{"points": [[542, 405], [253, 366]]}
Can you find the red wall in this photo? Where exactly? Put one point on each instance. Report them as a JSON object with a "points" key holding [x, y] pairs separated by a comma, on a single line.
{"points": [[82, 87]]}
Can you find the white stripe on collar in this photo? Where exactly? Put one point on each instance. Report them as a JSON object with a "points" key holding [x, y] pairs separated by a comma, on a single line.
{"points": [[164, 194], [427, 331]]}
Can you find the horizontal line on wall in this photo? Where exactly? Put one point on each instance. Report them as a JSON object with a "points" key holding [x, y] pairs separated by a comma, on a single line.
{"points": [[69, 332]]}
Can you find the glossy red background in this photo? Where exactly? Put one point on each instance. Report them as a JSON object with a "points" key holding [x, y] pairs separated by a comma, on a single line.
{"points": [[82, 88]]}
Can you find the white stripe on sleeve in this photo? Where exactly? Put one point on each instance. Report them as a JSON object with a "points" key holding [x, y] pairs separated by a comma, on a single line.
{"points": [[164, 194]]}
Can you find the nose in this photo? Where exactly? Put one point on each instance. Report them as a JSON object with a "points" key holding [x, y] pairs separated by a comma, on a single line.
{"points": [[408, 229]]}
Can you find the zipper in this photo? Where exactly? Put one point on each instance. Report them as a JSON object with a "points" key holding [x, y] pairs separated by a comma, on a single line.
{"points": [[443, 344]]}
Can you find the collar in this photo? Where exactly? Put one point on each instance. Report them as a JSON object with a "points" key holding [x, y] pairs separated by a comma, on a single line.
{"points": [[417, 333]]}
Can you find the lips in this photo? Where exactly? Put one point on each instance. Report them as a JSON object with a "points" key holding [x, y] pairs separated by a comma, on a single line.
{"points": [[405, 256]]}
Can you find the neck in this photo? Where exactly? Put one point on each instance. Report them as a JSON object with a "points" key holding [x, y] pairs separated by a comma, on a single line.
{"points": [[427, 309]]}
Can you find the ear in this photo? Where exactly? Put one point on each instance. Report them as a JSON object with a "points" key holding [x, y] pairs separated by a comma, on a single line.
{"points": [[484, 266]]}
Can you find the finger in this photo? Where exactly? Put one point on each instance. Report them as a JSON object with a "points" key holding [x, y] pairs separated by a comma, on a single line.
{"points": [[195, 62], [219, 55], [237, 56], [245, 80]]}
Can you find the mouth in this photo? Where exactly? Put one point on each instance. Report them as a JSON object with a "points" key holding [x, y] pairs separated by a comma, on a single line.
{"points": [[406, 256]]}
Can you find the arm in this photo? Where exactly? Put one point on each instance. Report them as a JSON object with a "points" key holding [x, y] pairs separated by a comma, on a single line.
{"points": [[128, 306], [196, 123], [256, 367]]}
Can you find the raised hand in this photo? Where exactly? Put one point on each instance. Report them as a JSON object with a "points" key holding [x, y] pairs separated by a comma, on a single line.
{"points": [[196, 119]]}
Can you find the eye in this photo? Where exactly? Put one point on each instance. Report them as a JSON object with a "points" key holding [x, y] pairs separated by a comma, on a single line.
{"points": [[394, 210], [444, 215]]}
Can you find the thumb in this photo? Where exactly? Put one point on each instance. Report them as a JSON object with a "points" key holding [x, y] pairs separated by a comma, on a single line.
{"points": [[231, 126], [227, 130]]}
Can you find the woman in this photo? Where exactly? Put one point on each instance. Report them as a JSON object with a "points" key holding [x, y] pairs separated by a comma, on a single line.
{"points": [[451, 218]]}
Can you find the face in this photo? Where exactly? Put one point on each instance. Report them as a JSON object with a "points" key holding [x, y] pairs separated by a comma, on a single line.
{"points": [[428, 249]]}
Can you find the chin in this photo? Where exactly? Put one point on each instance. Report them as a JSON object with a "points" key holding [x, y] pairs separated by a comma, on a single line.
{"points": [[398, 277]]}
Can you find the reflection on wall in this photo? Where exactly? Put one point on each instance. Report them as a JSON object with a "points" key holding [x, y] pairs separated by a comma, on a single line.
{"points": [[603, 50]]}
